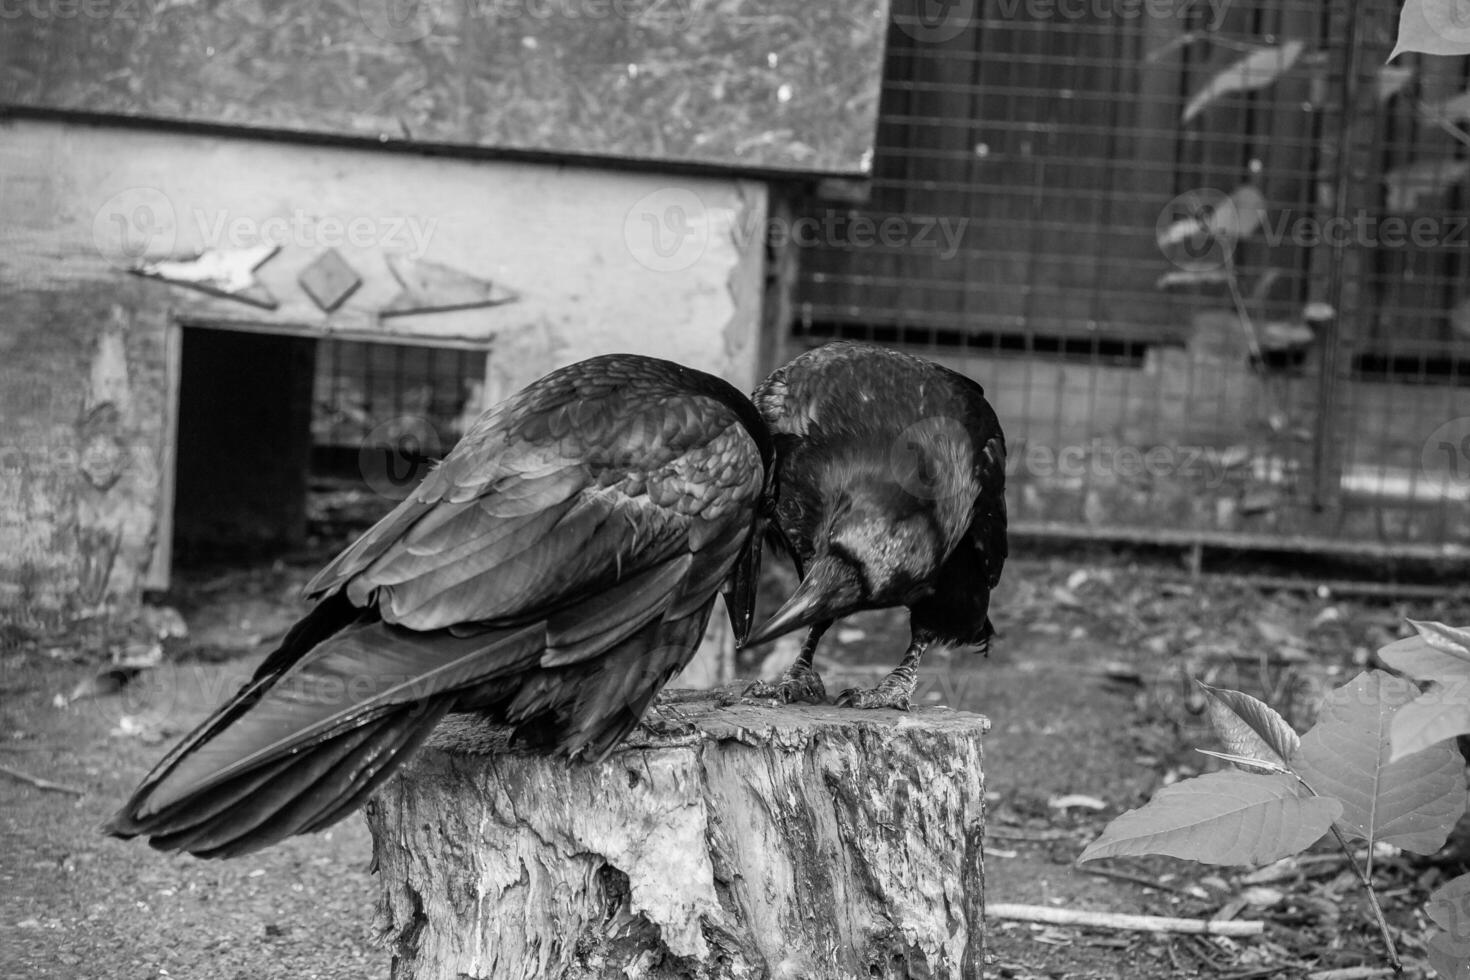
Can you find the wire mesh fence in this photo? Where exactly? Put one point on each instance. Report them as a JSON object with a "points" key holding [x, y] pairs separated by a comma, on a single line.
{"points": [[366, 391], [1208, 259], [382, 415]]}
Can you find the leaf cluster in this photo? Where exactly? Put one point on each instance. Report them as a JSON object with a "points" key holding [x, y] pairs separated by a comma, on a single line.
{"points": [[1379, 767]]}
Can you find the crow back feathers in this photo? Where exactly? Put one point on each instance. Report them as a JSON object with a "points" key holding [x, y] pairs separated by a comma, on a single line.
{"points": [[553, 572]]}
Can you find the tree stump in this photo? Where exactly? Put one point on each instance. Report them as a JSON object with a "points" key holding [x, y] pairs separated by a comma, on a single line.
{"points": [[746, 841]]}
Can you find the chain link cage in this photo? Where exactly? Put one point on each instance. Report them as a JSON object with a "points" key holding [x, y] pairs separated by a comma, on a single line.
{"points": [[1208, 259]]}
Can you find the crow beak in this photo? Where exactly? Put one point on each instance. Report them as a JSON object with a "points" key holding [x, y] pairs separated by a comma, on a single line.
{"points": [[740, 591], [829, 590]]}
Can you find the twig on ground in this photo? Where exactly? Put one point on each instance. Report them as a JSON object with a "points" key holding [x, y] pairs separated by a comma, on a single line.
{"points": [[1352, 973], [1174, 958], [1136, 880], [1019, 833], [40, 783], [1118, 920], [1208, 953], [1306, 866], [1261, 971]]}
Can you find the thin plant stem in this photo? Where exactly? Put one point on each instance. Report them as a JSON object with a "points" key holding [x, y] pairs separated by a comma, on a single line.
{"points": [[1364, 877], [1241, 310]]}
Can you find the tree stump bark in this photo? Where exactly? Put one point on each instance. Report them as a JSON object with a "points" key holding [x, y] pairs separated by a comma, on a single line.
{"points": [[746, 841]]}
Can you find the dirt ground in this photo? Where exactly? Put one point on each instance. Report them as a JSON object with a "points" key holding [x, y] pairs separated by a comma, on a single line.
{"points": [[1087, 694]]}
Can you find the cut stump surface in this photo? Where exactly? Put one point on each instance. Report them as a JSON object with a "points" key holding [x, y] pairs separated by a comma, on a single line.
{"points": [[752, 840]]}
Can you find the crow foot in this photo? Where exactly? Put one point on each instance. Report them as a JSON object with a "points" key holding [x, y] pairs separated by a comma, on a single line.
{"points": [[801, 683], [890, 694]]}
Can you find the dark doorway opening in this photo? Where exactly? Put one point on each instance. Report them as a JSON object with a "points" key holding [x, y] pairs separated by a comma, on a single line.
{"points": [[243, 446]]}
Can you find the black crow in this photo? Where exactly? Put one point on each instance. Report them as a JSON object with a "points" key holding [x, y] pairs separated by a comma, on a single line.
{"points": [[890, 492], [553, 572]]}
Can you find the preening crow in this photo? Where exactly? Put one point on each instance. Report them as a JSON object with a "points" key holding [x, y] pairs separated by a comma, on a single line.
{"points": [[891, 492], [553, 572]]}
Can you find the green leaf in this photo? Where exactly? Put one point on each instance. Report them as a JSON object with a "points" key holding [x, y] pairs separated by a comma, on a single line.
{"points": [[1247, 762], [1441, 654], [1256, 70], [1440, 713], [1433, 27], [1450, 639], [1223, 817], [1449, 950], [1250, 727], [1423, 661], [1413, 802]]}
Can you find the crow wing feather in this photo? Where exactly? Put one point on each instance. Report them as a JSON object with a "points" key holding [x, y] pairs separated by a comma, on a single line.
{"points": [[554, 571]]}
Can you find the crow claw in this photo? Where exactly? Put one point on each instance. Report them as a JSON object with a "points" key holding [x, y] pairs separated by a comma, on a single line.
{"points": [[795, 686], [882, 696]]}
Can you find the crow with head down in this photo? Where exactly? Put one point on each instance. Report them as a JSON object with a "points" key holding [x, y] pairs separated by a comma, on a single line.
{"points": [[890, 492], [552, 573]]}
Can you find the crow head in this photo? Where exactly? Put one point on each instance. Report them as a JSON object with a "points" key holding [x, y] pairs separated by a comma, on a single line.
{"points": [[877, 546]]}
